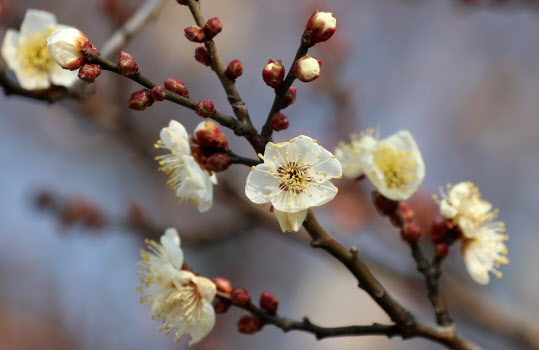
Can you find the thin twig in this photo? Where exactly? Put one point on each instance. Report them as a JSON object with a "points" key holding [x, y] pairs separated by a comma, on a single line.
{"points": [[237, 159]]}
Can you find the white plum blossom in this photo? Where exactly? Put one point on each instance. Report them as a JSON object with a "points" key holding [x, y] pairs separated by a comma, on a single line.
{"points": [[393, 165], [294, 176], [65, 45], [25, 53], [483, 248], [187, 178], [178, 298]]}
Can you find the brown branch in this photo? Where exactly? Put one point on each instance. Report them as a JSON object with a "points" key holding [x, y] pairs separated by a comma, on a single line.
{"points": [[237, 159], [280, 93]]}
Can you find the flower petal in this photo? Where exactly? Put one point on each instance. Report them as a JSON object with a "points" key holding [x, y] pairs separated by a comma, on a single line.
{"points": [[36, 21], [290, 222], [171, 245], [261, 183], [9, 49], [473, 262], [327, 167], [206, 288], [175, 136], [200, 329], [303, 149], [62, 77]]}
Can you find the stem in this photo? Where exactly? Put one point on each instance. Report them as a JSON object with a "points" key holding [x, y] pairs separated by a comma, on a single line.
{"points": [[237, 159]]}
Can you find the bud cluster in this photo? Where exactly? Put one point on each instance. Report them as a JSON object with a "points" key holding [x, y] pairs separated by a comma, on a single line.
{"points": [[209, 147]]}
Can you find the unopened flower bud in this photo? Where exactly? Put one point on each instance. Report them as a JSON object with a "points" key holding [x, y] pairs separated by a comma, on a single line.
{"points": [[441, 250], [249, 324], [127, 66], [158, 93], [213, 27], [273, 74], [406, 212], [307, 68], [234, 69], [269, 302], [289, 98], [279, 122], [383, 205], [195, 34], [89, 72], [410, 233], [140, 100], [202, 55], [322, 25], [205, 109], [176, 86], [209, 135], [438, 230], [221, 306], [65, 47], [222, 284], [218, 162], [240, 297]]}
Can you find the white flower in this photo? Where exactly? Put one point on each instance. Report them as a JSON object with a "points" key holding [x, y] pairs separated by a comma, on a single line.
{"points": [[483, 248], [294, 176], [65, 45], [26, 53], [393, 165], [187, 178], [178, 298]]}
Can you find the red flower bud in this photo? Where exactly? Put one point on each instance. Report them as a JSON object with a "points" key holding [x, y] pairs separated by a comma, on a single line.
{"points": [[222, 284], [322, 25], [158, 93], [177, 87], [195, 34], [209, 135], [273, 74], [279, 122], [406, 212], [221, 306], [240, 297], [202, 55], [213, 27], [249, 324], [234, 69], [383, 205], [127, 66], [89, 72], [410, 233], [218, 162], [441, 250], [140, 100], [289, 98], [269, 302], [205, 109], [307, 68], [438, 230]]}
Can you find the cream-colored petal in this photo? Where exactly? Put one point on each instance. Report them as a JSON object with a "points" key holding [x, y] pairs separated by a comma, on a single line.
{"points": [[201, 329], [290, 222], [206, 288], [36, 21], [352, 167], [313, 195], [473, 263], [447, 209], [260, 184], [303, 149], [175, 136], [63, 77], [9, 49], [275, 153], [36, 81], [328, 167], [171, 245]]}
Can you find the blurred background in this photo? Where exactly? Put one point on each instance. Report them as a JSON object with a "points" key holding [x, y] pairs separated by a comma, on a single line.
{"points": [[80, 189]]}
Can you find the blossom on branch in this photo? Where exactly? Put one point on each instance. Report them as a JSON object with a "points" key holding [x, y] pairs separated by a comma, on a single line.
{"points": [[27, 55], [483, 248], [294, 176], [177, 297], [65, 45], [187, 178], [393, 165]]}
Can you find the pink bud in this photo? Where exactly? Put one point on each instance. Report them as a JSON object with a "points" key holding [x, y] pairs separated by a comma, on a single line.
{"points": [[176, 86], [441, 250], [273, 73], [195, 34], [406, 212], [307, 68], [158, 93], [140, 100], [234, 69], [289, 98], [213, 27], [221, 306], [383, 205], [410, 233], [127, 66], [218, 162], [249, 324], [240, 297], [205, 109], [202, 55], [322, 25], [209, 135], [222, 284], [269, 302], [279, 122], [89, 72]]}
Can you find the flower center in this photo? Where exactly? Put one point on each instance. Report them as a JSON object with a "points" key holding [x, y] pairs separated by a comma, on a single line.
{"points": [[293, 177], [397, 166], [34, 54]]}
